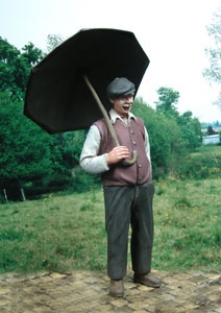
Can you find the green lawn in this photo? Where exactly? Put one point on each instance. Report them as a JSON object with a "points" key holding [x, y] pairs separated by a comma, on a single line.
{"points": [[66, 232]]}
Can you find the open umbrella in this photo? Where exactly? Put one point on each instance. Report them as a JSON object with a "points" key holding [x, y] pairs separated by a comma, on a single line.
{"points": [[57, 97], [64, 88]]}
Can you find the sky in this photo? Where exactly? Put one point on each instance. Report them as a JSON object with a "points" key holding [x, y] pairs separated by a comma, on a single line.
{"points": [[172, 33]]}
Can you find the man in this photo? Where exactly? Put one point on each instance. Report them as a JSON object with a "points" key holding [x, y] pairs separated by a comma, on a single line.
{"points": [[128, 189]]}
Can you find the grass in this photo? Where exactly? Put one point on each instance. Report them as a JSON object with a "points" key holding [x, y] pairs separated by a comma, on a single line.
{"points": [[66, 232], [188, 229]]}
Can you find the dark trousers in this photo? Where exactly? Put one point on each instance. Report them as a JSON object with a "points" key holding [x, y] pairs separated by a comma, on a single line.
{"points": [[125, 206]]}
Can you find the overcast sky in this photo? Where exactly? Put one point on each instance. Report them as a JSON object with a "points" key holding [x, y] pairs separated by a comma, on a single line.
{"points": [[172, 33]]}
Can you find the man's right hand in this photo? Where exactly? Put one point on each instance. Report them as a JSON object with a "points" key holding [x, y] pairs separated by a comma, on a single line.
{"points": [[117, 154]]}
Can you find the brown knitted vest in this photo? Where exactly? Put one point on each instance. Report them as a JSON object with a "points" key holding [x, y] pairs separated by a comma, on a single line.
{"points": [[131, 136]]}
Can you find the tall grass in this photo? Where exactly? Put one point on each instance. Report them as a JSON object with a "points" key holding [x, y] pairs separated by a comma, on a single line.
{"points": [[66, 232]]}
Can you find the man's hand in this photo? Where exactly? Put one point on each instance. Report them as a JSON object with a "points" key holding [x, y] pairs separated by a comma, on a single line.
{"points": [[117, 154]]}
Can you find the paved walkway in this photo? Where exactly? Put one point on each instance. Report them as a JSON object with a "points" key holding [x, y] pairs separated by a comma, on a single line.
{"points": [[83, 292]]}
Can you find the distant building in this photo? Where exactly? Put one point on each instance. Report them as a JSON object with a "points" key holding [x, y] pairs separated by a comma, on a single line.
{"points": [[212, 139]]}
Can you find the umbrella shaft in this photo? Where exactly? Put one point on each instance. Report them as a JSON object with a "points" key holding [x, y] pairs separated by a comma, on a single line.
{"points": [[104, 112]]}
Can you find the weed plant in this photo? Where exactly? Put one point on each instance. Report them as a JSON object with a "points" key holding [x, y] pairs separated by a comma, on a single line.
{"points": [[66, 232]]}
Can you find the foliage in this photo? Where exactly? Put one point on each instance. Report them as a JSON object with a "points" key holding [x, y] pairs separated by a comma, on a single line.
{"points": [[191, 130], [213, 73], [32, 54], [84, 181], [25, 152], [67, 232], [169, 138], [25, 148], [66, 148], [15, 67], [28, 153], [204, 163], [189, 126], [65, 155], [42, 163], [167, 100], [53, 41], [211, 131]]}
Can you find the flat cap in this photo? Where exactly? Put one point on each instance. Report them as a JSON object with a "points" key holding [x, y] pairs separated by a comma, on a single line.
{"points": [[120, 86]]}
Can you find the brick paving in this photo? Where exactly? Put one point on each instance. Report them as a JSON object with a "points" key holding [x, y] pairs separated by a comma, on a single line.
{"points": [[82, 292]]}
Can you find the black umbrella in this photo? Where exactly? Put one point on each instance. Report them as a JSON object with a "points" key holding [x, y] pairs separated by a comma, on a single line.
{"points": [[58, 98]]}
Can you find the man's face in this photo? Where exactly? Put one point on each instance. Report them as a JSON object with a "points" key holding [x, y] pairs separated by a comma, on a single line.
{"points": [[123, 105]]}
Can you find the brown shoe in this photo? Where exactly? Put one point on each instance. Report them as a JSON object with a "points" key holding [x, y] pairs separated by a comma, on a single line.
{"points": [[116, 288], [147, 280]]}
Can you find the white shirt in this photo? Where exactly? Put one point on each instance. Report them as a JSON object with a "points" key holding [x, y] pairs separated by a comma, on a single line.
{"points": [[93, 163]]}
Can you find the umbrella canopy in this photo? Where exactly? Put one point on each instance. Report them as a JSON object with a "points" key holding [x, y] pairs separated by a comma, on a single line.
{"points": [[57, 96]]}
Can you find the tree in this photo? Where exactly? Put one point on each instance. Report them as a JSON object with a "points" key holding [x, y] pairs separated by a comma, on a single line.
{"points": [[213, 73], [211, 131], [15, 67], [11, 67], [167, 145], [167, 100], [53, 41], [28, 153], [25, 148], [190, 127], [65, 152], [191, 130], [32, 54]]}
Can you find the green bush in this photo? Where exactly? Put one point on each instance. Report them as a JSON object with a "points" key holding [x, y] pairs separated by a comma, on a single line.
{"points": [[166, 143], [84, 181], [202, 164]]}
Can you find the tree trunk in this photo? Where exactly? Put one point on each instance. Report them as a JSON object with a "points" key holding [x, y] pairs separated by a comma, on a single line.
{"points": [[23, 194], [5, 195]]}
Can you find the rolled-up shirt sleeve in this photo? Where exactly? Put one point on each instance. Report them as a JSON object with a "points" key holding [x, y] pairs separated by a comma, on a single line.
{"points": [[90, 161]]}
